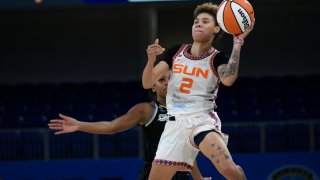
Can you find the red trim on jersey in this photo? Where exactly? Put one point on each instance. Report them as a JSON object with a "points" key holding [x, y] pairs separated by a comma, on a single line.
{"points": [[189, 56], [181, 165], [174, 59], [191, 138], [214, 117], [215, 96], [215, 71]]}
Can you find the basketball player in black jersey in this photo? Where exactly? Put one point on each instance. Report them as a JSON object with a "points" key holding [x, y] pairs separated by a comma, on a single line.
{"points": [[152, 116]]}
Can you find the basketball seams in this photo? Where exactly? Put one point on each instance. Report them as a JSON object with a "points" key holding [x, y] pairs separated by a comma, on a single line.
{"points": [[245, 8], [234, 15], [230, 22], [223, 15], [220, 14], [247, 15], [241, 6]]}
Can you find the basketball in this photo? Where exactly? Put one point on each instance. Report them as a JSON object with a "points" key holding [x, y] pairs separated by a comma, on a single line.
{"points": [[235, 16]]}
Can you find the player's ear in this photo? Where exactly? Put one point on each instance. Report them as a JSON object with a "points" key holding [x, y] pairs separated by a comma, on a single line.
{"points": [[217, 29]]}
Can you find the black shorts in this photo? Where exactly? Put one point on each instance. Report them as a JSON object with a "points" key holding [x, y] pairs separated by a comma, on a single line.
{"points": [[145, 171]]}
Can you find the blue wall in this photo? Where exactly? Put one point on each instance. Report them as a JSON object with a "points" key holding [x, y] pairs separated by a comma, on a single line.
{"points": [[256, 166], [123, 169], [262, 166]]}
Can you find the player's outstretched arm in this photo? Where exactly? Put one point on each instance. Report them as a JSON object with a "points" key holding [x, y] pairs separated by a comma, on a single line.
{"points": [[133, 117]]}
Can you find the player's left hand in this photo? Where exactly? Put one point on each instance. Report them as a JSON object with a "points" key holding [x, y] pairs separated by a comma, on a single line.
{"points": [[246, 33]]}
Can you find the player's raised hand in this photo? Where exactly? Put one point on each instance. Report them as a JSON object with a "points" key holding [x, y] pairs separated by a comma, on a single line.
{"points": [[247, 32], [64, 125], [154, 50]]}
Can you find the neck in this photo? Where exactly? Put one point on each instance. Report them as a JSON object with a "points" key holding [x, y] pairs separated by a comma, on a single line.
{"points": [[162, 101], [200, 49]]}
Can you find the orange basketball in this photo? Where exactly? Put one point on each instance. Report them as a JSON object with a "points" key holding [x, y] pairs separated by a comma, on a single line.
{"points": [[235, 16]]}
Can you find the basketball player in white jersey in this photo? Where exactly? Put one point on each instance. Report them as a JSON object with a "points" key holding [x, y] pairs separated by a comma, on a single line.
{"points": [[197, 70]]}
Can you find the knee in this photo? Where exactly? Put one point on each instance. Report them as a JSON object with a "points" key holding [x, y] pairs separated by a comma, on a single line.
{"points": [[233, 172]]}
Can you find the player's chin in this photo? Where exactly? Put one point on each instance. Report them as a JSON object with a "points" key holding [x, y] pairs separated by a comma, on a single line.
{"points": [[196, 35], [199, 37]]}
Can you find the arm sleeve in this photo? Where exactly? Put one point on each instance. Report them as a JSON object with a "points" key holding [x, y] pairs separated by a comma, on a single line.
{"points": [[169, 54]]}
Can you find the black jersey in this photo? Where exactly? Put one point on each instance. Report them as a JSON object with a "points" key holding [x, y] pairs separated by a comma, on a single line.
{"points": [[152, 131]]}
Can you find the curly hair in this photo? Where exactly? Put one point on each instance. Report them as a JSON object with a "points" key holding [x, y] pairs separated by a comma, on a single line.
{"points": [[206, 8], [209, 8]]}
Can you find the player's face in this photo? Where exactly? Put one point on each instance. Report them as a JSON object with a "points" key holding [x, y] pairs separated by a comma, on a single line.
{"points": [[204, 28], [161, 86]]}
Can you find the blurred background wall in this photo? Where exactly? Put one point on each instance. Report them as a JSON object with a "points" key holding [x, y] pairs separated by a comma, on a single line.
{"points": [[84, 58], [104, 42]]}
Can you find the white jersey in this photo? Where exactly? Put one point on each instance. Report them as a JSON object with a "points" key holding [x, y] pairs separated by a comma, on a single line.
{"points": [[194, 82]]}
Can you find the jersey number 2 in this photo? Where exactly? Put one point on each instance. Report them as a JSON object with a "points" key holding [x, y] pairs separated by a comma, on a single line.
{"points": [[186, 85]]}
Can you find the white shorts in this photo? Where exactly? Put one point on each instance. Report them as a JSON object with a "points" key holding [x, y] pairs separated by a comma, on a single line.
{"points": [[177, 147]]}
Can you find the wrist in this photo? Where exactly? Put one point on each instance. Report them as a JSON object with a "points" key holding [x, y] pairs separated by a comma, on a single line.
{"points": [[150, 63], [238, 40], [78, 125]]}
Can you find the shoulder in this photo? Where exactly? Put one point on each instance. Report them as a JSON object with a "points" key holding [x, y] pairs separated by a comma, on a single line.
{"points": [[174, 47], [222, 56], [144, 110], [143, 106], [170, 53]]}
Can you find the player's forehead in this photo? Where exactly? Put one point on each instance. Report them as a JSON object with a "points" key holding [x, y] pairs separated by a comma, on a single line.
{"points": [[204, 16]]}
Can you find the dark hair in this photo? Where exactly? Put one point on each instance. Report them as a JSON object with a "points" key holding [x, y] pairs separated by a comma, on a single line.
{"points": [[210, 9], [206, 8]]}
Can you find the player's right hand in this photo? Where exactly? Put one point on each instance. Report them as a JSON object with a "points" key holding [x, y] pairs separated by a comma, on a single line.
{"points": [[154, 50], [64, 125]]}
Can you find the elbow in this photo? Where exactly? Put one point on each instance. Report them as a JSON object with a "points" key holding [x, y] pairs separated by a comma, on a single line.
{"points": [[111, 133], [228, 82], [146, 85]]}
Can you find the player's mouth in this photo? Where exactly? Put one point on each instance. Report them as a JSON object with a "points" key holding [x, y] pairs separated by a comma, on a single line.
{"points": [[197, 30]]}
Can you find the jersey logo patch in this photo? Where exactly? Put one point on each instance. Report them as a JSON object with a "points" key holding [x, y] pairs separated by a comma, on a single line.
{"points": [[163, 117]]}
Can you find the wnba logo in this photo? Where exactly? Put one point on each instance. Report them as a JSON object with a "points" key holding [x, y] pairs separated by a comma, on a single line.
{"points": [[293, 172]]}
